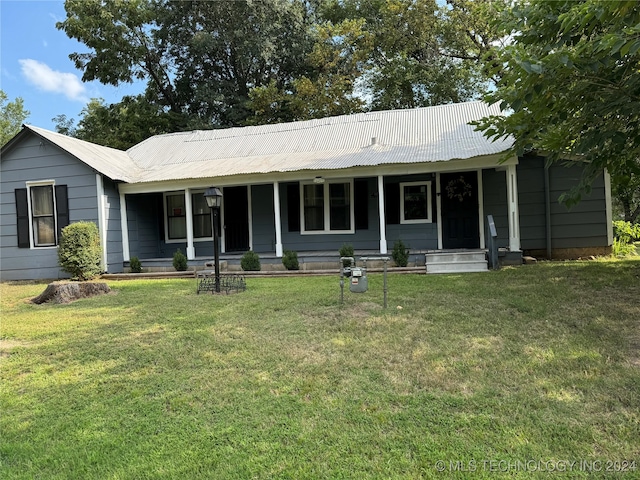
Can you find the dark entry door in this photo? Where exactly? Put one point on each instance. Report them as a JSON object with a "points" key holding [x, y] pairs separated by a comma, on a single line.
{"points": [[236, 219], [459, 203]]}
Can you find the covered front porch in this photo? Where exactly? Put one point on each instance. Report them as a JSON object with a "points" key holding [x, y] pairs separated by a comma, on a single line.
{"points": [[435, 206]]}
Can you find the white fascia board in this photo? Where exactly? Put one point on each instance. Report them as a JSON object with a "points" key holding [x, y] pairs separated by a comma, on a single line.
{"points": [[457, 165]]}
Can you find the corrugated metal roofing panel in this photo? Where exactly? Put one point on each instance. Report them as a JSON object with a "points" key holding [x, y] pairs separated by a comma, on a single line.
{"points": [[403, 136], [113, 163], [420, 135]]}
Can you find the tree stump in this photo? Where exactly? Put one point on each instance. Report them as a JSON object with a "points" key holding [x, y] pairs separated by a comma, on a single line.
{"points": [[70, 291]]}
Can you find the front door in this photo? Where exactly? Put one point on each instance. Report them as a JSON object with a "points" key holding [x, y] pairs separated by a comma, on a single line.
{"points": [[236, 219], [459, 204]]}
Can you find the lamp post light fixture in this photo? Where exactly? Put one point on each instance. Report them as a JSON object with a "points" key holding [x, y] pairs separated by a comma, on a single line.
{"points": [[213, 196]]}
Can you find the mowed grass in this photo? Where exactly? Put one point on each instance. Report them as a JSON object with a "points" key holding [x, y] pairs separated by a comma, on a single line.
{"points": [[486, 372]]}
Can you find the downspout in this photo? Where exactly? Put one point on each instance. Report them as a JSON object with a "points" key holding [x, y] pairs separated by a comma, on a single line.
{"points": [[547, 210]]}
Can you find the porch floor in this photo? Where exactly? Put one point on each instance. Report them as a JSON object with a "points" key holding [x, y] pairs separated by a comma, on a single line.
{"points": [[312, 260]]}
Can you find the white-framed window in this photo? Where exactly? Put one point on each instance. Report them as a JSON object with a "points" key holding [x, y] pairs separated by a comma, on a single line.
{"points": [[415, 202], [175, 212], [42, 214], [327, 207]]}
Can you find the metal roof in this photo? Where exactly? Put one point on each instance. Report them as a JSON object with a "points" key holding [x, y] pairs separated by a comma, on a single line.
{"points": [[430, 134], [111, 162]]}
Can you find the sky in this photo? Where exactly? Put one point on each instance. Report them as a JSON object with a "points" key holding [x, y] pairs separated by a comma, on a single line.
{"points": [[35, 64]]}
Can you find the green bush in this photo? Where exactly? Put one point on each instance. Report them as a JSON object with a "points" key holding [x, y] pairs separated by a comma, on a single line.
{"points": [[625, 233], [346, 250], [79, 251], [179, 261], [400, 254], [135, 265], [250, 262], [290, 260]]}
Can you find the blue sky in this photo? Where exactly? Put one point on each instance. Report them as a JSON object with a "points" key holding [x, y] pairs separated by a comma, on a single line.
{"points": [[35, 64]]}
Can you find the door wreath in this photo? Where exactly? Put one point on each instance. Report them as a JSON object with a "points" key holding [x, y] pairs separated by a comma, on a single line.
{"points": [[459, 188]]}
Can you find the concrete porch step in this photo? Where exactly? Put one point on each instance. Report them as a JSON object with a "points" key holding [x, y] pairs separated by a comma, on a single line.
{"points": [[459, 261]]}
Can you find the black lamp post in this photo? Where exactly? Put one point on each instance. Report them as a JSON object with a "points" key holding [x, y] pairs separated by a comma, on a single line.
{"points": [[213, 196]]}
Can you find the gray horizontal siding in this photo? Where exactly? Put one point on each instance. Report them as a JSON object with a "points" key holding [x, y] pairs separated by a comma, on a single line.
{"points": [[263, 219], [115, 259], [143, 214], [35, 160], [583, 225], [494, 192]]}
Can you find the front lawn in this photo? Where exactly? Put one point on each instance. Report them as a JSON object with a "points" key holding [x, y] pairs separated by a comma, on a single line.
{"points": [[524, 370]]}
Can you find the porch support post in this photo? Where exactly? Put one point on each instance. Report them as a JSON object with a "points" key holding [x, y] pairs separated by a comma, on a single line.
{"points": [[514, 215], [481, 209], [276, 215], [124, 228], [381, 215], [191, 251], [439, 211]]}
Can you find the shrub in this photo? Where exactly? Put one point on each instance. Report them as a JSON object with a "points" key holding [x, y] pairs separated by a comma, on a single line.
{"points": [[625, 233], [179, 261], [79, 251], [290, 260], [250, 262], [135, 265], [400, 254], [346, 250]]}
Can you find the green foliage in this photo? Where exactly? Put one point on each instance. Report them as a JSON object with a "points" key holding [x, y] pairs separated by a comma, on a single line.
{"points": [[625, 234], [12, 116], [346, 250], [569, 81], [250, 262], [625, 187], [215, 64], [400, 254], [290, 260], [79, 250], [135, 265], [180, 261]]}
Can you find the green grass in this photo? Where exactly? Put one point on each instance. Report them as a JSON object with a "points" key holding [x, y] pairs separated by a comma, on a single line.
{"points": [[532, 364]]}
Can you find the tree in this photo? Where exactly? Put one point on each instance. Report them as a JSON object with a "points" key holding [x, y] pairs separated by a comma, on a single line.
{"points": [[420, 52], [328, 86], [12, 116], [119, 125], [626, 195], [569, 84], [200, 59]]}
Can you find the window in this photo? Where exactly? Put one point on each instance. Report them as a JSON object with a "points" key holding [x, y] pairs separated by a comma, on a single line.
{"points": [[327, 207], [201, 216], [41, 212], [43, 220], [176, 216], [415, 202]]}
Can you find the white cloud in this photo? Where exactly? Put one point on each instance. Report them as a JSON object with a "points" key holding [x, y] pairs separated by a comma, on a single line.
{"points": [[49, 80]]}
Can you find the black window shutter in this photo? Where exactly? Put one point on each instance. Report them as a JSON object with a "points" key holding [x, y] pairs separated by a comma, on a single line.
{"points": [[361, 201], [392, 203], [293, 207], [62, 207], [22, 214]]}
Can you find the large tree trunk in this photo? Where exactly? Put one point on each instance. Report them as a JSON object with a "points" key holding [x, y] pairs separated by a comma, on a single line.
{"points": [[70, 291]]}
